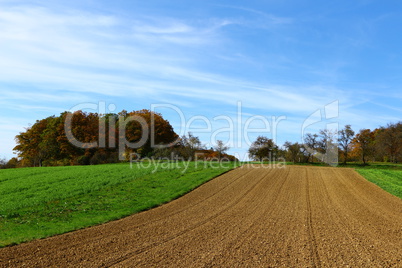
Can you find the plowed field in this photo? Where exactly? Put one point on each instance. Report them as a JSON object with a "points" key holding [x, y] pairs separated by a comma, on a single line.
{"points": [[256, 217]]}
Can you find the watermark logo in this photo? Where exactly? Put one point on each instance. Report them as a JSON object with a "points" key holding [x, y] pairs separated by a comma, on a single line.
{"points": [[123, 143], [326, 150], [239, 131]]}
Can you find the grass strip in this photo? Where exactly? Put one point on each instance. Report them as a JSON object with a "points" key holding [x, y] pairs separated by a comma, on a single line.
{"points": [[42, 202]]}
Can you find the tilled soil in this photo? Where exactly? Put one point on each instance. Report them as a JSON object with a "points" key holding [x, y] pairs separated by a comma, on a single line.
{"points": [[252, 216]]}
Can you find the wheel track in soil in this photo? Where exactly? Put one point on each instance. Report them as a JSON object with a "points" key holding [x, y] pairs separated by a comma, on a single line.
{"points": [[156, 244], [349, 227], [274, 215], [267, 210], [227, 210], [316, 262], [296, 216], [342, 226]]}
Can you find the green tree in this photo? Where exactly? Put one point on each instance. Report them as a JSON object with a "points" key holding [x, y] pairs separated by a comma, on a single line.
{"points": [[294, 151], [262, 148]]}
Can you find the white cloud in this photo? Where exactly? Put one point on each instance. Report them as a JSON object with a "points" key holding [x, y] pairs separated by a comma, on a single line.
{"points": [[44, 48], [52, 59]]}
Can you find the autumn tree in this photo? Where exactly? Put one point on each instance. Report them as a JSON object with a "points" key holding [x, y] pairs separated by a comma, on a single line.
{"points": [[90, 138], [13, 163], [30, 143], [150, 126], [262, 148], [78, 135], [345, 136], [364, 143], [67, 151], [389, 139]]}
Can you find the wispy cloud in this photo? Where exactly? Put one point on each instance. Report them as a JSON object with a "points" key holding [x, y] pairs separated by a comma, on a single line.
{"points": [[43, 47], [267, 18], [53, 58], [64, 51]]}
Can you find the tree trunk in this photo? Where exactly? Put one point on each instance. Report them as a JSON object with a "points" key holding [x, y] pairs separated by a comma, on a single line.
{"points": [[346, 157]]}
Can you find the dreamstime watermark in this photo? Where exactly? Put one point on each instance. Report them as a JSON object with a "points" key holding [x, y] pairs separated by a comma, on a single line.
{"points": [[240, 130]]}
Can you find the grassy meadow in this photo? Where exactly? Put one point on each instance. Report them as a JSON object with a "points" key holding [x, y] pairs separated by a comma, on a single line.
{"points": [[389, 179], [41, 202]]}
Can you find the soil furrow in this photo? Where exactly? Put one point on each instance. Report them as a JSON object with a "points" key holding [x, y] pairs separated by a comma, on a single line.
{"points": [[315, 258], [250, 217], [191, 228]]}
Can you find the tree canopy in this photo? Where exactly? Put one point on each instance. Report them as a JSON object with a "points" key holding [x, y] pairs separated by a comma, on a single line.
{"points": [[47, 141], [262, 149]]}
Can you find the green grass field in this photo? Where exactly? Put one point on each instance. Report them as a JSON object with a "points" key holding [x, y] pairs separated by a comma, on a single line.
{"points": [[388, 179], [41, 202]]}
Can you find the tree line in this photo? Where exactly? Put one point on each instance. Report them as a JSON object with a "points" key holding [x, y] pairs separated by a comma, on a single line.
{"points": [[46, 142], [190, 147], [382, 144]]}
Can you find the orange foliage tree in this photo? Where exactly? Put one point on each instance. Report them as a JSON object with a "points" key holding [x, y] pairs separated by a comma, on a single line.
{"points": [[47, 142], [363, 144]]}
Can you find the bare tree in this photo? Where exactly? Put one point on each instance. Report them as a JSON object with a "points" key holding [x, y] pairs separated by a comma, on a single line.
{"points": [[327, 138], [345, 137], [328, 145], [311, 144], [3, 163], [220, 148], [189, 144]]}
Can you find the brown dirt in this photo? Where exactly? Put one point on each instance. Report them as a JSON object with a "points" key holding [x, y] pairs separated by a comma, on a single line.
{"points": [[256, 217]]}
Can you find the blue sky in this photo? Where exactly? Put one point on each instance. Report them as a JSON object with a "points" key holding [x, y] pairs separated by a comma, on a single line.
{"points": [[279, 59]]}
